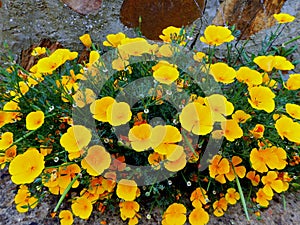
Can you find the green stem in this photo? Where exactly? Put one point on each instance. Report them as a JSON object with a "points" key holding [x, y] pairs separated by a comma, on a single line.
{"points": [[292, 40], [242, 196], [62, 197], [284, 202], [22, 138], [190, 146]]}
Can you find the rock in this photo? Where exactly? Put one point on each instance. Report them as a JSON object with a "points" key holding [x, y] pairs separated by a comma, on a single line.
{"points": [[84, 6], [158, 14], [249, 16]]}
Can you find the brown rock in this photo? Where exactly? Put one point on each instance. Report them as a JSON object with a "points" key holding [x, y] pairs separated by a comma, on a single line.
{"points": [[84, 6], [249, 16], [159, 14]]}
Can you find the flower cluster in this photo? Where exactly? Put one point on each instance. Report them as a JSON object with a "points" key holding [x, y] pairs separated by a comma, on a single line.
{"points": [[152, 125]]}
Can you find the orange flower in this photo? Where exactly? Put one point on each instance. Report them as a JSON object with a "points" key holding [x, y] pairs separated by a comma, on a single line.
{"points": [[231, 130], [218, 168], [175, 215], [66, 175], [127, 190], [254, 178], [272, 183], [129, 209], [198, 197], [216, 35], [220, 207], [84, 97], [118, 113], [262, 98], [66, 217], [96, 161], [239, 171], [178, 163], [76, 138], [6, 140], [222, 73], [232, 196], [26, 167], [240, 116], [258, 131], [24, 200], [140, 137], [196, 118], [219, 106], [262, 198], [198, 217], [86, 40], [287, 128], [34, 120], [164, 138], [154, 160], [3, 118], [82, 207], [99, 108]]}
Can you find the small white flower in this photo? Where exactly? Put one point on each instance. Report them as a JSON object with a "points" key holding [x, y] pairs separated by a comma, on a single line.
{"points": [[189, 183], [148, 216], [146, 111], [56, 159], [169, 182]]}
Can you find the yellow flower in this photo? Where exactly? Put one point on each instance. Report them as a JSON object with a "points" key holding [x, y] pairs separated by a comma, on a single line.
{"points": [[119, 64], [166, 74], [4, 118], [262, 98], [133, 47], [218, 168], [249, 76], [170, 34], [240, 116], [284, 18], [199, 56], [198, 197], [272, 183], [127, 190], [222, 73], [232, 196], [165, 50], [99, 108], [84, 97], [262, 198], [293, 83], [281, 63], [96, 161], [178, 163], [24, 168], [216, 35], [174, 215], [86, 40], [93, 59], [258, 131], [293, 110], [287, 128], [114, 40], [198, 217], [265, 62], [24, 201], [220, 207], [66, 174], [219, 106], [231, 130], [196, 118], [254, 178], [118, 113], [164, 139], [82, 207], [129, 209], [76, 138], [273, 157], [66, 217], [38, 51], [34, 120], [6, 140], [140, 137]]}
